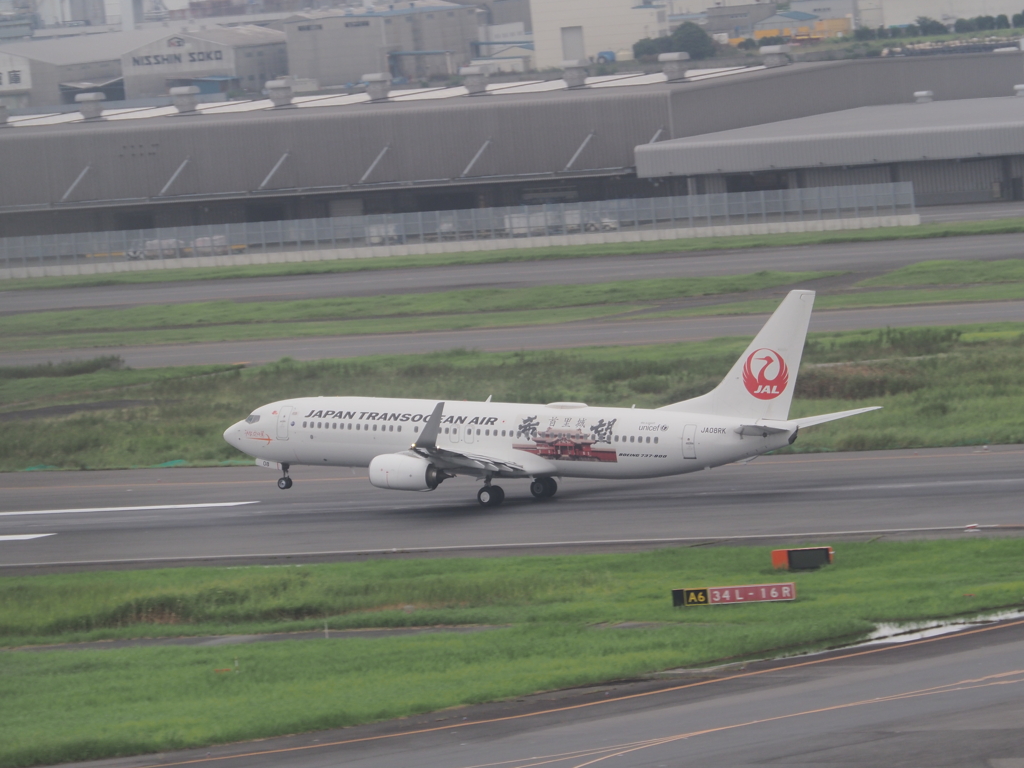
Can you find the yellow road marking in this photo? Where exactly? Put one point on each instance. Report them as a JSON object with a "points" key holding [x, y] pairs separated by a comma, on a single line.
{"points": [[698, 684]]}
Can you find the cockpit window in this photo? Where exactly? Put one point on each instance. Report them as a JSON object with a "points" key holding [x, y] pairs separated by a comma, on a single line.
{"points": [[253, 419]]}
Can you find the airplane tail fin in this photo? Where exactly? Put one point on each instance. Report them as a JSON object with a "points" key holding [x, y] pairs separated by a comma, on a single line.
{"points": [[761, 383]]}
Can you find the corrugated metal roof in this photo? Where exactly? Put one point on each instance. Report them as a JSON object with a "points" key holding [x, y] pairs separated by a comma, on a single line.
{"points": [[82, 49], [238, 36], [938, 130]]}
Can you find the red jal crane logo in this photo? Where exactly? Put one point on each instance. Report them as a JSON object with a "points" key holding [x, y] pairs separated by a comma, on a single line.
{"points": [[765, 374]]}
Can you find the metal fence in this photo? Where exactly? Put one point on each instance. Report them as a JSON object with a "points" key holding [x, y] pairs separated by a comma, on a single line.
{"points": [[480, 224]]}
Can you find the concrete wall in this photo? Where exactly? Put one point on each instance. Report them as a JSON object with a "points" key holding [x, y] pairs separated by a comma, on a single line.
{"points": [[608, 25]]}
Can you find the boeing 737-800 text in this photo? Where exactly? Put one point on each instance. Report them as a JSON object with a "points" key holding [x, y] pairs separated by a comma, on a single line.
{"points": [[413, 445]]}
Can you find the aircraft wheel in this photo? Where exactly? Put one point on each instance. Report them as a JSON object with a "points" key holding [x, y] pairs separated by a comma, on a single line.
{"points": [[550, 487], [490, 496], [284, 483], [543, 487]]}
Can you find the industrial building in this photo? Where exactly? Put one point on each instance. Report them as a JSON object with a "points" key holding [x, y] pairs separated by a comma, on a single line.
{"points": [[566, 30], [53, 71], [515, 143], [217, 59], [962, 151], [413, 40]]}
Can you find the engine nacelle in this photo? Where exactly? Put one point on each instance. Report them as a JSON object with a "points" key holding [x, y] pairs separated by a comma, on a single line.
{"points": [[405, 472]]}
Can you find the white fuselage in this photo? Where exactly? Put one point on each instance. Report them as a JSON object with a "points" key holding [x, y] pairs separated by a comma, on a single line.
{"points": [[565, 440]]}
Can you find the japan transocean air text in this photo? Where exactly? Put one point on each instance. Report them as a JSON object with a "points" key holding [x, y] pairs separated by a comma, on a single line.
{"points": [[414, 445]]}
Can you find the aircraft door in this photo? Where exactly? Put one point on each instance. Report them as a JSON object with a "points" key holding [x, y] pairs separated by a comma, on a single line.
{"points": [[690, 441], [455, 434], [469, 434], [283, 417]]}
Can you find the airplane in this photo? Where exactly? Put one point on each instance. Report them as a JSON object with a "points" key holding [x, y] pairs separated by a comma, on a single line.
{"points": [[414, 445]]}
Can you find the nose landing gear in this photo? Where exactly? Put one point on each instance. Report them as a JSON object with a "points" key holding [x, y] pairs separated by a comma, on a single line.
{"points": [[285, 482]]}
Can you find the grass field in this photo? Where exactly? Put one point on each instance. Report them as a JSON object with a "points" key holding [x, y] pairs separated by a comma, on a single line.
{"points": [[932, 282], [473, 308], [939, 387], [924, 231], [556, 619]]}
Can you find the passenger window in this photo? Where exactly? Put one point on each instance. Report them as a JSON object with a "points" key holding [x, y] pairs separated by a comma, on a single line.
{"points": [[334, 425], [399, 427], [478, 431], [616, 438], [631, 438], [648, 439], [415, 429], [357, 427], [655, 441], [319, 425], [374, 427], [446, 430], [303, 425]]}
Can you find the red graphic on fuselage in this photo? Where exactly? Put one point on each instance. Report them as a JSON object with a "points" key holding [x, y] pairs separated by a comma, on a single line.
{"points": [[765, 374], [567, 445]]}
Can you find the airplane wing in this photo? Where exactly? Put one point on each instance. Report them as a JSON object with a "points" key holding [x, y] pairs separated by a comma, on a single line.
{"points": [[509, 463]]}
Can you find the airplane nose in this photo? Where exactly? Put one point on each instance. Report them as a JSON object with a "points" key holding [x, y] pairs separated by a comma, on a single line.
{"points": [[230, 433]]}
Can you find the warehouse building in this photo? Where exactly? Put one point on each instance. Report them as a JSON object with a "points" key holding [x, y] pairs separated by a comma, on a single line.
{"points": [[217, 59], [513, 144], [58, 69], [413, 40], [963, 151]]}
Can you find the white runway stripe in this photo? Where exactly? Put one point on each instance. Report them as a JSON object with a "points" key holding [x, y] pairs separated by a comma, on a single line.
{"points": [[24, 536], [129, 509]]}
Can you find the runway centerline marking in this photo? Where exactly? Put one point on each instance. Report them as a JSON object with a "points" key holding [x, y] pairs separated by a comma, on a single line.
{"points": [[157, 507], [24, 536]]}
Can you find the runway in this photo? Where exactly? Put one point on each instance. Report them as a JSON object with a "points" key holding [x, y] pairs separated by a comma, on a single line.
{"points": [[860, 258], [956, 700], [150, 518]]}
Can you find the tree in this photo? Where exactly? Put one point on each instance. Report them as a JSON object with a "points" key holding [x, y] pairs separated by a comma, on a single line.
{"points": [[694, 40], [750, 44], [1002, 22], [1018, 20], [930, 26], [964, 25], [865, 33], [985, 22]]}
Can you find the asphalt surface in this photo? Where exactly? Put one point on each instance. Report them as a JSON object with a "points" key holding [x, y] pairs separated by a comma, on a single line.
{"points": [[955, 700], [176, 516], [861, 258], [534, 337]]}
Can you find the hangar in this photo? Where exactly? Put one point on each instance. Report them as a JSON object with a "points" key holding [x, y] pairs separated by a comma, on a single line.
{"points": [[473, 146], [962, 151]]}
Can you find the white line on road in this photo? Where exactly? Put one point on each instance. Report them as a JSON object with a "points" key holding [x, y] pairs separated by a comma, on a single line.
{"points": [[129, 509], [24, 536]]}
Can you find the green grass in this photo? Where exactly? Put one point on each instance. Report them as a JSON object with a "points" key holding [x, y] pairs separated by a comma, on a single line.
{"points": [[962, 385], [556, 613], [473, 308], [946, 272], [956, 229]]}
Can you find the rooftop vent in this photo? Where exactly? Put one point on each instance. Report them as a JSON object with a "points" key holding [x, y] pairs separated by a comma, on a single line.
{"points": [[185, 98], [575, 72], [774, 55], [474, 79], [378, 85], [674, 65], [279, 92], [923, 97], [90, 105]]}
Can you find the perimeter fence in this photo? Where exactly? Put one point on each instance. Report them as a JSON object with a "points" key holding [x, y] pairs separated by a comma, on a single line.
{"points": [[512, 224]]}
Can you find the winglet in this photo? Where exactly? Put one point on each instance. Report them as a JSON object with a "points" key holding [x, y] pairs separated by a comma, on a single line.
{"points": [[428, 437]]}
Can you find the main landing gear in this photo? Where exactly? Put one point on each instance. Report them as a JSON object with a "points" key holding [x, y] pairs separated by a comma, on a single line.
{"points": [[543, 487], [285, 482], [490, 495]]}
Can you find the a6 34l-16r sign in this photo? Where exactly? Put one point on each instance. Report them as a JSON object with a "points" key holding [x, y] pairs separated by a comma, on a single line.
{"points": [[748, 593]]}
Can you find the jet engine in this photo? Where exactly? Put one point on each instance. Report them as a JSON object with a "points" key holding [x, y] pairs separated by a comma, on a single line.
{"points": [[405, 472]]}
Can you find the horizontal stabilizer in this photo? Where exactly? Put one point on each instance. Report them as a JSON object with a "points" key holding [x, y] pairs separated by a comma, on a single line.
{"points": [[810, 421]]}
